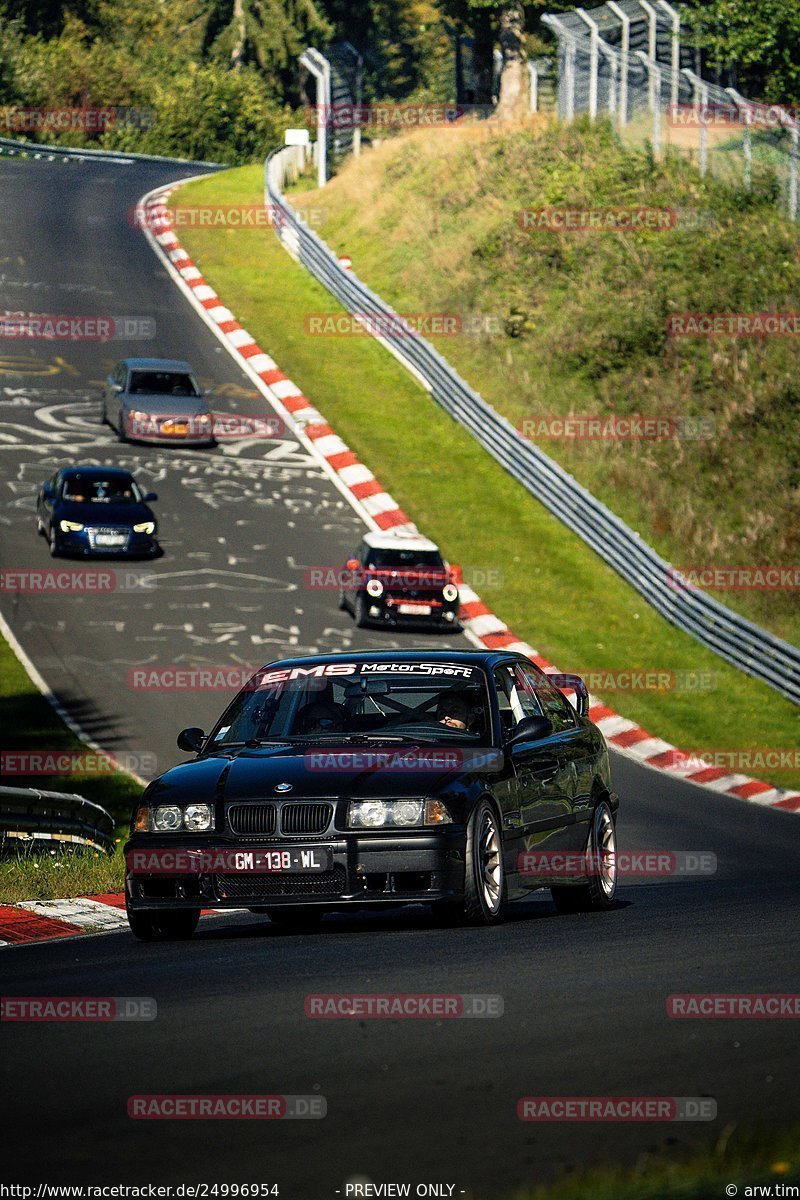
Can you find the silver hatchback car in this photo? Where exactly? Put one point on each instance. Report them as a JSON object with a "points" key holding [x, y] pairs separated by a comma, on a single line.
{"points": [[157, 400]]}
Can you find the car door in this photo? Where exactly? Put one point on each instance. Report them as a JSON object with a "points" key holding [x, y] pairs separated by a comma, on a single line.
{"points": [[541, 768], [575, 749], [47, 500]]}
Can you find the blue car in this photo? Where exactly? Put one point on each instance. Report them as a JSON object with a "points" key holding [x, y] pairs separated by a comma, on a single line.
{"points": [[96, 511]]}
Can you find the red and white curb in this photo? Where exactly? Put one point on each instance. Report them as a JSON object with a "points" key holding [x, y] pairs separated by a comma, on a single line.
{"points": [[43, 920], [380, 511]]}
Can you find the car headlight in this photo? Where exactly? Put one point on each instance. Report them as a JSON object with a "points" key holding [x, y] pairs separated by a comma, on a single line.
{"points": [[71, 527], [374, 588], [450, 592], [198, 817], [145, 527], [172, 818], [167, 818], [397, 814]]}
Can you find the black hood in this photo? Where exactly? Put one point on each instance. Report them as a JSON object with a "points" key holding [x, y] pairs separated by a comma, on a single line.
{"points": [[313, 772], [105, 513]]}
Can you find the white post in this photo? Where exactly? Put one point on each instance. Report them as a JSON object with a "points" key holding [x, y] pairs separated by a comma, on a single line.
{"points": [[743, 105], [674, 17], [624, 52], [569, 75], [320, 68], [533, 94], [593, 61], [654, 80], [652, 28]]}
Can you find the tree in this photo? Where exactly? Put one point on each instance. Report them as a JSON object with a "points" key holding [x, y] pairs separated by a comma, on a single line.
{"points": [[758, 41]]}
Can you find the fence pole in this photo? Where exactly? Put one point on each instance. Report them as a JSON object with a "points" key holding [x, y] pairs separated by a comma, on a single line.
{"points": [[533, 95], [675, 49], [624, 54], [594, 57], [743, 106]]}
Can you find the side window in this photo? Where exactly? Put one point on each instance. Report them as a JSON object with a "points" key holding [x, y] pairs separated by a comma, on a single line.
{"points": [[516, 701], [554, 705]]}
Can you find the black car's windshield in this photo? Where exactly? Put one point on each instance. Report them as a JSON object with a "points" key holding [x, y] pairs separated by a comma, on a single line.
{"points": [[162, 383], [405, 560], [437, 703], [96, 489]]}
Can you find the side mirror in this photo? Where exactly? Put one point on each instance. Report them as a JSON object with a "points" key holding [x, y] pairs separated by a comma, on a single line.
{"points": [[530, 729], [191, 739], [149, 497], [116, 387], [48, 492], [352, 564]]}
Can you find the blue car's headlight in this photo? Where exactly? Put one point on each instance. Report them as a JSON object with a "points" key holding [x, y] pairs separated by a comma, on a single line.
{"points": [[145, 527], [71, 526]]}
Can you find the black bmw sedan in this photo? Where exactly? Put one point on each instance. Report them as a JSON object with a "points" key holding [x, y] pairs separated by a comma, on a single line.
{"points": [[461, 780]]}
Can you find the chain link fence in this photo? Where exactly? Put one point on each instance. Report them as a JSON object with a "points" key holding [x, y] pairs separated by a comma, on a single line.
{"points": [[627, 61]]}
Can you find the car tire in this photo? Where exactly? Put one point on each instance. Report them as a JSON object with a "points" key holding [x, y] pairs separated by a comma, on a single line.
{"points": [[598, 893], [39, 527], [172, 925], [484, 870], [298, 920], [121, 436], [52, 541], [360, 611], [343, 607]]}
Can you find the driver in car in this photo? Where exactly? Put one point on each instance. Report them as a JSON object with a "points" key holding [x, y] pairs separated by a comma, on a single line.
{"points": [[453, 711], [320, 716]]}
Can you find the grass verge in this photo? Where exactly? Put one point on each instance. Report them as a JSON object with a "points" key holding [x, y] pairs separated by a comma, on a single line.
{"points": [[35, 873], [551, 589], [743, 1160]]}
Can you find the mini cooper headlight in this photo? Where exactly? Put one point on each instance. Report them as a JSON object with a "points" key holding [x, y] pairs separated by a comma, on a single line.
{"points": [[71, 527], [145, 527], [374, 588], [450, 592], [198, 817], [167, 818]]}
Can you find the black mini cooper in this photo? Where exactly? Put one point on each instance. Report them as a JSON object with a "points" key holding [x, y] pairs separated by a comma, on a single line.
{"points": [[462, 780]]}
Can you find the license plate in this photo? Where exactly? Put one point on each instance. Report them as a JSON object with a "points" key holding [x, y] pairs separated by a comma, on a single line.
{"points": [[110, 539], [284, 861], [414, 610], [181, 430]]}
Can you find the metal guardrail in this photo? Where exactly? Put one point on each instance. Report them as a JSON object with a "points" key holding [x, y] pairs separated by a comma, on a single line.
{"points": [[26, 815], [41, 150], [737, 640]]}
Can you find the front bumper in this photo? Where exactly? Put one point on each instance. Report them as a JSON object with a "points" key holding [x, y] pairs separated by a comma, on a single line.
{"points": [[139, 545], [384, 610], [374, 870]]}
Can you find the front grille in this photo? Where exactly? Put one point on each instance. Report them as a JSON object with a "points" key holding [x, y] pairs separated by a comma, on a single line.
{"points": [[305, 818], [115, 530], [252, 820], [259, 887]]}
